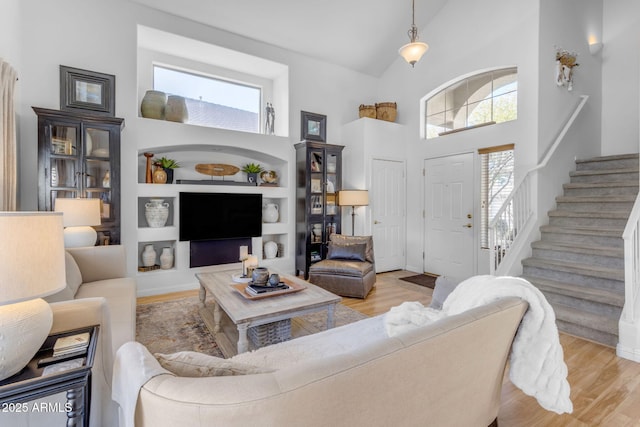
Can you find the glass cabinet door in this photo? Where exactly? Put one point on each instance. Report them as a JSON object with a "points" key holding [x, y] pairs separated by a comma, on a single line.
{"points": [[97, 168], [63, 172]]}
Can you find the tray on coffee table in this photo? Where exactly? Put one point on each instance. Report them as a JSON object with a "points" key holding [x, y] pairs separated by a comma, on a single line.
{"points": [[293, 287]]}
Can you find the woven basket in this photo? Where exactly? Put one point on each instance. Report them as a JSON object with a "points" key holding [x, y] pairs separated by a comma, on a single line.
{"points": [[271, 333], [386, 111], [367, 111]]}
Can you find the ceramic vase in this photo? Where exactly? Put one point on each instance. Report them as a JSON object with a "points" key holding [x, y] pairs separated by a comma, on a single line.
{"points": [[176, 109], [153, 105], [156, 212], [149, 256], [166, 258], [270, 250], [270, 212], [159, 176]]}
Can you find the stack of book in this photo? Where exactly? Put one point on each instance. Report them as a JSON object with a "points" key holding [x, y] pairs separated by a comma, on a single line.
{"points": [[253, 289], [72, 344]]}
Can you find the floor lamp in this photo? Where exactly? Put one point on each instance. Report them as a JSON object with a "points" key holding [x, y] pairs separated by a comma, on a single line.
{"points": [[353, 198]]}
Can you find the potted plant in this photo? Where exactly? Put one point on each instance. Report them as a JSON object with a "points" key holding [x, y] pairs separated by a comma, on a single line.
{"points": [[168, 165], [252, 170]]}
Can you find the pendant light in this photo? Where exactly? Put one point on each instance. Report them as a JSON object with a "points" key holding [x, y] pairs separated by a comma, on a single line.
{"points": [[413, 51]]}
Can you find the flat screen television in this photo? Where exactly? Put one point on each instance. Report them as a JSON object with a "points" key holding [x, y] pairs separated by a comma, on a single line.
{"points": [[214, 216]]}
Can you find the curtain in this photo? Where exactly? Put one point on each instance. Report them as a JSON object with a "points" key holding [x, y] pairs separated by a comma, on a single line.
{"points": [[8, 143]]}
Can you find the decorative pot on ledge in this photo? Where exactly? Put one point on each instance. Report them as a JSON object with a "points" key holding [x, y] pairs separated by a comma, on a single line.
{"points": [[153, 104], [156, 212]]}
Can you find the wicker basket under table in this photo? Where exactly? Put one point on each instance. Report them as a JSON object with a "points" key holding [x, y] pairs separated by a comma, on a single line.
{"points": [[270, 333]]}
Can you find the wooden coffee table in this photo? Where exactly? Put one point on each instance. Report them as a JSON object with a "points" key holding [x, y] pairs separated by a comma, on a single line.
{"points": [[245, 313]]}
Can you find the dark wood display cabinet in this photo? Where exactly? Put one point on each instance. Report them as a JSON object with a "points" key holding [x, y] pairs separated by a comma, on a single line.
{"points": [[79, 156], [319, 177]]}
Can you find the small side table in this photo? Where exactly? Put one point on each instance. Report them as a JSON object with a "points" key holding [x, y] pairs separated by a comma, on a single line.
{"points": [[30, 383]]}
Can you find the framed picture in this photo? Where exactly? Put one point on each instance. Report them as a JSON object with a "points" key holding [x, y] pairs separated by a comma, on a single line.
{"points": [[87, 91], [313, 126]]}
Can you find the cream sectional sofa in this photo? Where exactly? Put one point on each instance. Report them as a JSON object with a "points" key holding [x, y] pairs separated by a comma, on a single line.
{"points": [[97, 293], [448, 373]]}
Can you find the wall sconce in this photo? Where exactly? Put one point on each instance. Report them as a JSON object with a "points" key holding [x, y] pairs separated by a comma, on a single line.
{"points": [[594, 45], [565, 62]]}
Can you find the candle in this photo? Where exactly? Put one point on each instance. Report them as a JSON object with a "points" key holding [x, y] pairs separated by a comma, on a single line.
{"points": [[252, 263], [244, 252]]}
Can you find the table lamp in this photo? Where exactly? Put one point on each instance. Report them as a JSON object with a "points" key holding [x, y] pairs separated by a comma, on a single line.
{"points": [[353, 198], [31, 266], [79, 216]]}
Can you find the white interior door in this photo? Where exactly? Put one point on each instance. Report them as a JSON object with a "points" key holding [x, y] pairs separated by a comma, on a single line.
{"points": [[449, 222], [388, 211]]}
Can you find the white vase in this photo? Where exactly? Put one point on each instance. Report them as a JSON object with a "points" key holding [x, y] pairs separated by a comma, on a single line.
{"points": [[156, 212], [166, 258], [149, 256], [270, 249], [270, 213]]}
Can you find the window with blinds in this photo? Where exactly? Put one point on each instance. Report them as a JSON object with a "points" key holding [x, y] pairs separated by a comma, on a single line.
{"points": [[497, 167]]}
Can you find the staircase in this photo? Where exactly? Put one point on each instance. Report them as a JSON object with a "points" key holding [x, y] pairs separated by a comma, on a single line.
{"points": [[579, 262]]}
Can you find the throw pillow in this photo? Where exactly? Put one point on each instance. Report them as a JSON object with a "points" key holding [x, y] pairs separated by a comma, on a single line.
{"points": [[443, 287], [341, 239], [352, 252], [194, 364], [73, 279]]}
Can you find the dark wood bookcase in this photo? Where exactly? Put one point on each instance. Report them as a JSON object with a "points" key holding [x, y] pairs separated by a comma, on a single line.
{"points": [[79, 156], [319, 178]]}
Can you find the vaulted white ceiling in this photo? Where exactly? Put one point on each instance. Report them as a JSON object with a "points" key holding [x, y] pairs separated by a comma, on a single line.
{"points": [[362, 35]]}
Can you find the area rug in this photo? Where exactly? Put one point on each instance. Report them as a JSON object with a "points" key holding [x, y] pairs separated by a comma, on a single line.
{"points": [[167, 327], [426, 280]]}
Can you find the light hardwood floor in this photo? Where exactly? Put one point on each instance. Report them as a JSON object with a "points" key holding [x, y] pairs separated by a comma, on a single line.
{"points": [[605, 389]]}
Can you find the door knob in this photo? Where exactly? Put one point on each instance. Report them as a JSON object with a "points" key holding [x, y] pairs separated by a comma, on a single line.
{"points": [[469, 216], [377, 222], [468, 225]]}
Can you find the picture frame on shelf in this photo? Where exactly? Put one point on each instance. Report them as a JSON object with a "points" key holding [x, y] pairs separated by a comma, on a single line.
{"points": [[88, 91], [313, 127]]}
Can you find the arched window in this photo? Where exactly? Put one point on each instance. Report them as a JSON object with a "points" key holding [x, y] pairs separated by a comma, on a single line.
{"points": [[482, 99]]}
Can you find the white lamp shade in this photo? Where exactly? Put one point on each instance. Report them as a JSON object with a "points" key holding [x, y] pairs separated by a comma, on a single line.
{"points": [[412, 52], [31, 255], [353, 198], [31, 266], [79, 212]]}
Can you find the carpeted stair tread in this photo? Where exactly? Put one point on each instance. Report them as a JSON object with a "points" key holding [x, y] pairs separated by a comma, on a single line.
{"points": [[585, 214], [594, 321], [612, 157], [575, 268], [629, 183], [590, 172], [585, 231], [579, 249], [596, 199], [604, 296]]}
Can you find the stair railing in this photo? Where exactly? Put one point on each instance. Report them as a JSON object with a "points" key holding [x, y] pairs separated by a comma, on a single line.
{"points": [[517, 210], [628, 345]]}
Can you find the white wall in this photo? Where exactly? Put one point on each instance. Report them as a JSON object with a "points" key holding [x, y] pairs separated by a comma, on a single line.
{"points": [[621, 77], [10, 33], [466, 36], [101, 36]]}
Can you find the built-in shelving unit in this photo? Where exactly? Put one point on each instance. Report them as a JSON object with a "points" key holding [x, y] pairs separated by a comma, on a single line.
{"points": [[208, 145]]}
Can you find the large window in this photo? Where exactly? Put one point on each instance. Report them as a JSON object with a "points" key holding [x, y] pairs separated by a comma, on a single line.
{"points": [[496, 180], [212, 102], [486, 98]]}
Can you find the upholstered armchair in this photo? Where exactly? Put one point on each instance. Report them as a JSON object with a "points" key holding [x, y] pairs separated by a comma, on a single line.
{"points": [[349, 269]]}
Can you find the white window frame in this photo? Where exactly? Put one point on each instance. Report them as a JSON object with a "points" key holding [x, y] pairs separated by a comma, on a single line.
{"points": [[424, 99]]}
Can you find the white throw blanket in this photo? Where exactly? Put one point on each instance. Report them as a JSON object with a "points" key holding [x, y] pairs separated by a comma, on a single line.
{"points": [[536, 362], [128, 378]]}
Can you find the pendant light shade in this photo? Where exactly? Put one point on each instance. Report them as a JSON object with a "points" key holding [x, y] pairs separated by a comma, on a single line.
{"points": [[413, 51]]}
